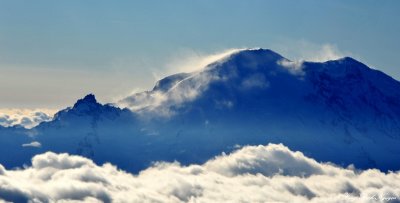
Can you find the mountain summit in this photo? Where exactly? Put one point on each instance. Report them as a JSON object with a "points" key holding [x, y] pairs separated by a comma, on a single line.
{"points": [[89, 99], [338, 111]]}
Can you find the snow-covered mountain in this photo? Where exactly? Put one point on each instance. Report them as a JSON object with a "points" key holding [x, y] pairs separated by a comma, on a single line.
{"points": [[339, 111]]}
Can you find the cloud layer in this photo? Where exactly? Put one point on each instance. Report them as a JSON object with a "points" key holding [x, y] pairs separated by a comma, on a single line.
{"points": [[271, 173], [25, 117]]}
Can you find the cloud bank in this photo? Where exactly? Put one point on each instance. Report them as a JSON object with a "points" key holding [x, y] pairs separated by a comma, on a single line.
{"points": [[27, 118], [271, 173]]}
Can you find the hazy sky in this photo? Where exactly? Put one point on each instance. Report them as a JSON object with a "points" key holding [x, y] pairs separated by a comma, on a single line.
{"points": [[54, 52]]}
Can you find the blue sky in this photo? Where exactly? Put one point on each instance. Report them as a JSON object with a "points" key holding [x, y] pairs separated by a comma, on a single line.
{"points": [[53, 52]]}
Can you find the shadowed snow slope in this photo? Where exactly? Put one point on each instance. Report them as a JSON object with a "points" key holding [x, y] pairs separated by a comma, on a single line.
{"points": [[339, 111], [271, 173]]}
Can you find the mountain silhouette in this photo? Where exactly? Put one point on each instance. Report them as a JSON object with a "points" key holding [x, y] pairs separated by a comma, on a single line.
{"points": [[338, 111]]}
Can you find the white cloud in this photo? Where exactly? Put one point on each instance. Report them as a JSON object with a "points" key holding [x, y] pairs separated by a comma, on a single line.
{"points": [[32, 144], [27, 118], [271, 173]]}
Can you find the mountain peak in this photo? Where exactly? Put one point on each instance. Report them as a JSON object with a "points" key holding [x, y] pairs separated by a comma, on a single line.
{"points": [[260, 52], [348, 58], [89, 99]]}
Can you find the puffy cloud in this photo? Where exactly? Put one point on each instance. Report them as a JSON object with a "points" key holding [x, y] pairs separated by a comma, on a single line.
{"points": [[268, 161], [27, 118], [271, 173]]}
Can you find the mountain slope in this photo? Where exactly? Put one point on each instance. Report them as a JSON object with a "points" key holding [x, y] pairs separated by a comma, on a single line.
{"points": [[339, 111]]}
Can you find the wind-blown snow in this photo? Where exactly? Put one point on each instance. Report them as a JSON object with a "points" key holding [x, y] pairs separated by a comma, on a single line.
{"points": [[192, 61], [270, 173], [159, 101], [189, 65]]}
